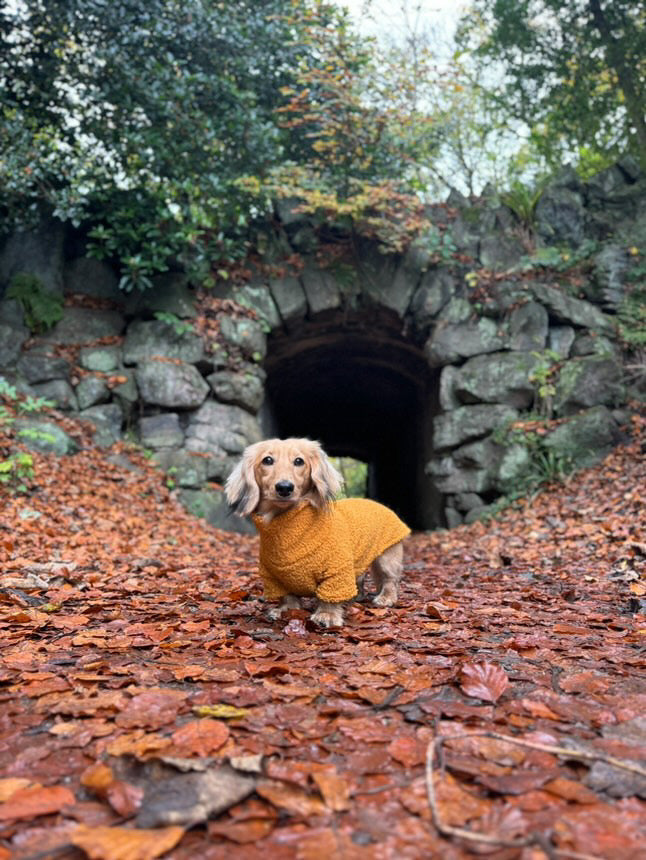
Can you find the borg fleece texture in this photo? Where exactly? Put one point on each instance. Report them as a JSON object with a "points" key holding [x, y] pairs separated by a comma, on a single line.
{"points": [[310, 552]]}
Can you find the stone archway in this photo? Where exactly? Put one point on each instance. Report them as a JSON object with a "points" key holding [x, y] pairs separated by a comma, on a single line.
{"points": [[356, 383]]}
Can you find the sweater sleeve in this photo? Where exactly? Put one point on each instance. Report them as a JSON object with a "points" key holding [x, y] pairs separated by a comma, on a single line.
{"points": [[273, 589]]}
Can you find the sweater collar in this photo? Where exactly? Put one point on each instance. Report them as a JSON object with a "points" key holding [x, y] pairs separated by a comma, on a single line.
{"points": [[303, 511]]}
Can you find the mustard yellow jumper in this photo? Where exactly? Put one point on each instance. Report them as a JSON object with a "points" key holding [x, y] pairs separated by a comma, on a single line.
{"points": [[308, 552]]}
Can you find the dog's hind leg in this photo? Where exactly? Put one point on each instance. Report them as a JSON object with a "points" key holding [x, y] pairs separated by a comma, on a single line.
{"points": [[386, 571]]}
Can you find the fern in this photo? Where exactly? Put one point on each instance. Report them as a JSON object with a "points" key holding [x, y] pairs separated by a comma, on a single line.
{"points": [[42, 308]]}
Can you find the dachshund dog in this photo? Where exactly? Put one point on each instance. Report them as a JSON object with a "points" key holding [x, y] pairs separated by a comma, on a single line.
{"points": [[310, 544]]}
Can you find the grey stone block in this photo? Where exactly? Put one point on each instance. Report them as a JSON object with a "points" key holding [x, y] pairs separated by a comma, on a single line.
{"points": [[502, 377], [589, 381], [469, 422], [107, 420], [90, 391], [103, 359], [146, 339], [246, 334], [83, 325], [44, 436], [92, 277], [289, 297], [41, 365], [528, 327], [161, 431], [163, 383], [57, 390]]}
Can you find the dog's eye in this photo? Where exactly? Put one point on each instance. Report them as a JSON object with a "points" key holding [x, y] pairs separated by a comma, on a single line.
{"points": [[299, 461], [268, 461]]}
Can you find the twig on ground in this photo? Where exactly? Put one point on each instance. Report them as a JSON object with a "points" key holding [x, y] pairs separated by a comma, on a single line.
{"points": [[492, 839]]}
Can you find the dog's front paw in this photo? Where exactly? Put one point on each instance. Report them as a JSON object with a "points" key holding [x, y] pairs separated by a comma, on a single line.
{"points": [[385, 598], [328, 615]]}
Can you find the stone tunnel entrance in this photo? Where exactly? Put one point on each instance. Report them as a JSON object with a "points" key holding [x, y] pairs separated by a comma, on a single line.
{"points": [[364, 391]]}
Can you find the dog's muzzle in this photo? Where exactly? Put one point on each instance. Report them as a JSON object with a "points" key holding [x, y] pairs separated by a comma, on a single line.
{"points": [[284, 488]]}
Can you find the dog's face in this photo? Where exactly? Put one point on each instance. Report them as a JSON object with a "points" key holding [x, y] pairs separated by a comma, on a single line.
{"points": [[279, 473]]}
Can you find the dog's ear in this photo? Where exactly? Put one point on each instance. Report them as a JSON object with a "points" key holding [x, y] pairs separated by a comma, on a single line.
{"points": [[241, 488], [326, 481]]}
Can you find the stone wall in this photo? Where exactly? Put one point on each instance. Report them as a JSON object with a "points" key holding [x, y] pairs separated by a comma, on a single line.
{"points": [[471, 338]]}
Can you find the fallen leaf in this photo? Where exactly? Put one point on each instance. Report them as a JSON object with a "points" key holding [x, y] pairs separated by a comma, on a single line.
{"points": [[484, 681], [38, 800], [200, 737], [121, 843], [290, 798]]}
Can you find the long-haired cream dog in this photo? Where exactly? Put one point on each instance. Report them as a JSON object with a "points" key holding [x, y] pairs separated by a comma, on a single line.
{"points": [[311, 545]]}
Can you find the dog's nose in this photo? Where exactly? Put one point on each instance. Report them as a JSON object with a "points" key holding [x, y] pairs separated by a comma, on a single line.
{"points": [[284, 488]]}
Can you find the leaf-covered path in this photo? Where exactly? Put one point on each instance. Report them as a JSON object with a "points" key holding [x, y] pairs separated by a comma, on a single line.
{"points": [[148, 708]]}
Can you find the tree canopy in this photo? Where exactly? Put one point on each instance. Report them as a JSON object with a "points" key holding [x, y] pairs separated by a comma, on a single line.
{"points": [[167, 126], [574, 72]]}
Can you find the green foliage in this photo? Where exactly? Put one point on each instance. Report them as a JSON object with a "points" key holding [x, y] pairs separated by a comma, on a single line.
{"points": [[543, 377], [573, 72], [631, 317], [178, 325], [42, 308], [35, 404], [355, 476], [560, 257], [522, 199], [8, 391], [16, 472], [545, 466], [165, 128]]}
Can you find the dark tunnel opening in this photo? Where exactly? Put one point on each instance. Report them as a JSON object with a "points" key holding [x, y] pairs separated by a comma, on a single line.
{"points": [[365, 392]]}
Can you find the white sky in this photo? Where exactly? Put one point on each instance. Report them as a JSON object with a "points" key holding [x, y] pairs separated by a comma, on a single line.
{"points": [[393, 18]]}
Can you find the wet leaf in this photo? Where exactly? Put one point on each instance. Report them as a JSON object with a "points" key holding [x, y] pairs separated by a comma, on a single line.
{"points": [[200, 737], [120, 843], [484, 681], [39, 800]]}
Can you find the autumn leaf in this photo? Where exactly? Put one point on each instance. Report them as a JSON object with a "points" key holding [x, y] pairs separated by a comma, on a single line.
{"points": [[121, 843], [222, 712], [290, 798], [31, 802], [483, 681], [200, 737]]}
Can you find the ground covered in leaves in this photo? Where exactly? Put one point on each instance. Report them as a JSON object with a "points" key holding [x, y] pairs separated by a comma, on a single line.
{"points": [[148, 708]]}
